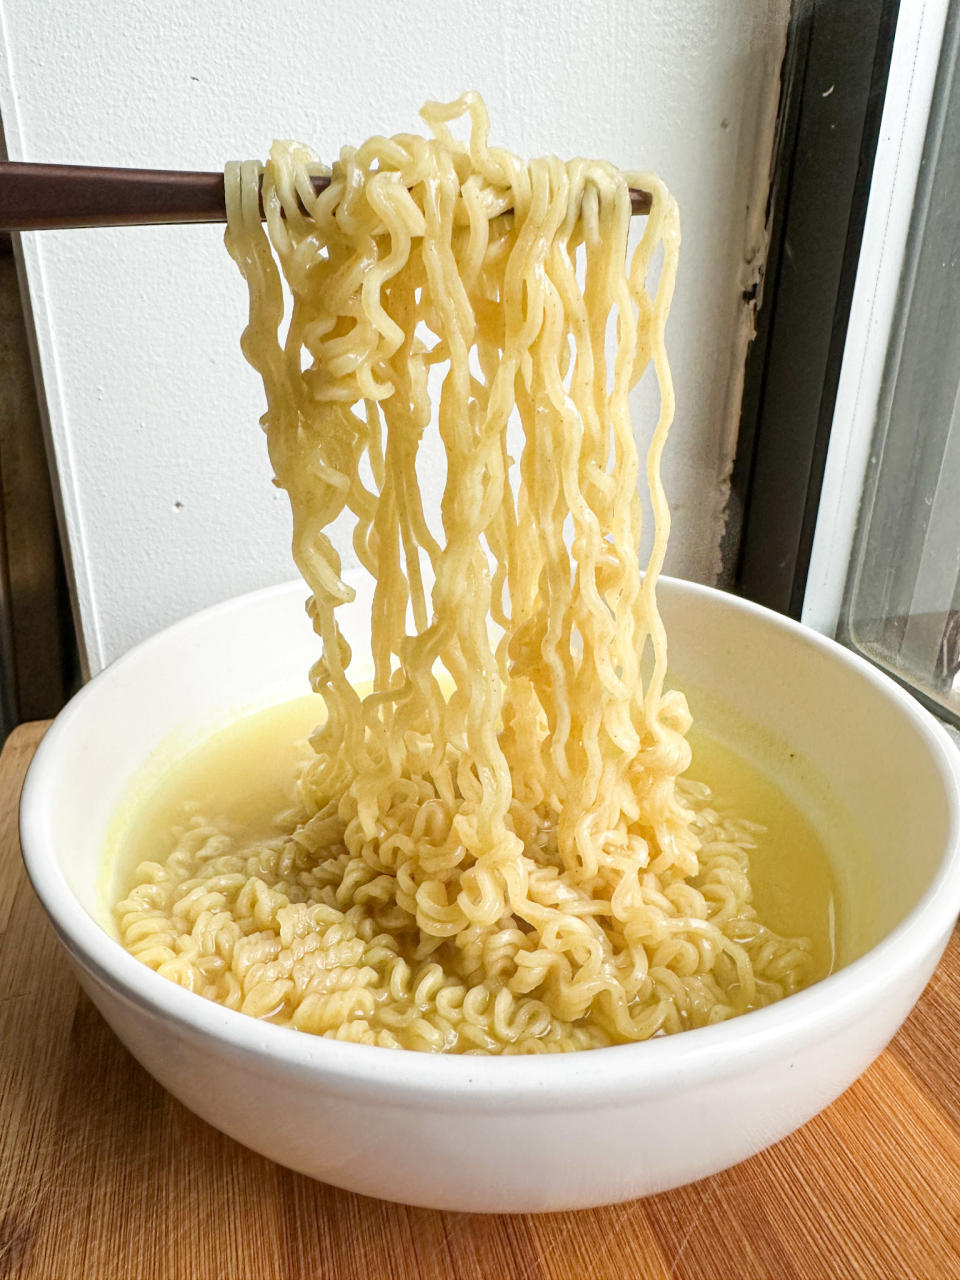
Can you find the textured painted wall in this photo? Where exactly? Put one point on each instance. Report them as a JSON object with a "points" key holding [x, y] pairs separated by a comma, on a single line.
{"points": [[152, 411]]}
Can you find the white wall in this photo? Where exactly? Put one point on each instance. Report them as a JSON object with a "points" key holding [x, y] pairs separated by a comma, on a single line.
{"points": [[152, 411]]}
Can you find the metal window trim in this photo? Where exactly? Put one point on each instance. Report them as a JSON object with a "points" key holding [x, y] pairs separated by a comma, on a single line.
{"points": [[833, 85]]}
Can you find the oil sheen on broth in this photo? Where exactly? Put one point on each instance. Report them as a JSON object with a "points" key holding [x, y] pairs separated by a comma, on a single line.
{"points": [[244, 777]]}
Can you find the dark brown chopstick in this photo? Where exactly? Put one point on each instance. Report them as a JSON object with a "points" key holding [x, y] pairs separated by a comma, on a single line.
{"points": [[39, 197]]}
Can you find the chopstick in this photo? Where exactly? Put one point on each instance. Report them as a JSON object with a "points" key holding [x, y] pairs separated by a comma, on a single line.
{"points": [[39, 197]]}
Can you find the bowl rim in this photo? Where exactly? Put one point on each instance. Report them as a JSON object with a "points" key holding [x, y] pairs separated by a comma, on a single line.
{"points": [[511, 1081]]}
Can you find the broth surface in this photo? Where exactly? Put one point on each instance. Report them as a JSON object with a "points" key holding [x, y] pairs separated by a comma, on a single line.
{"points": [[245, 773]]}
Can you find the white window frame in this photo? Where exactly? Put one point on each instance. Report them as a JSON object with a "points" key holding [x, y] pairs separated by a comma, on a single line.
{"points": [[913, 71]]}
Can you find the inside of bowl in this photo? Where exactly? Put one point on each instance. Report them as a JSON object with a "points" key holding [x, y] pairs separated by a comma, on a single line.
{"points": [[845, 752], [840, 741]]}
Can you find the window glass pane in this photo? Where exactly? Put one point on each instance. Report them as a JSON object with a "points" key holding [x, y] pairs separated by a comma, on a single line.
{"points": [[902, 607]]}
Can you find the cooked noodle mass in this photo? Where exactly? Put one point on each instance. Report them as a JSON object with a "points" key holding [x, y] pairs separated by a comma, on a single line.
{"points": [[492, 849]]}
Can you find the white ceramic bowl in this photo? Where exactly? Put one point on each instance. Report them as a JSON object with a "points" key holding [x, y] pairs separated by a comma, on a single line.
{"points": [[534, 1133]]}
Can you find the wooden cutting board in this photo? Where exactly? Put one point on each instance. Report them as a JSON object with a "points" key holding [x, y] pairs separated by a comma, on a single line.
{"points": [[106, 1177]]}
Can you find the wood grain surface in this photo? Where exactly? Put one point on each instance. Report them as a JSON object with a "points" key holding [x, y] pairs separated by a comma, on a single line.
{"points": [[103, 1175]]}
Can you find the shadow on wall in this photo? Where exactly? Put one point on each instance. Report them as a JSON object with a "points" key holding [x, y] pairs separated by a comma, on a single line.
{"points": [[38, 661]]}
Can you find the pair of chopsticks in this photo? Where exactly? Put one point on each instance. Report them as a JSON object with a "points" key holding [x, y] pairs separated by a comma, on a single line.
{"points": [[38, 197]]}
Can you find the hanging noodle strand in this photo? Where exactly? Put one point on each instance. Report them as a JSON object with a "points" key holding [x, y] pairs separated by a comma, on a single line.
{"points": [[492, 850]]}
